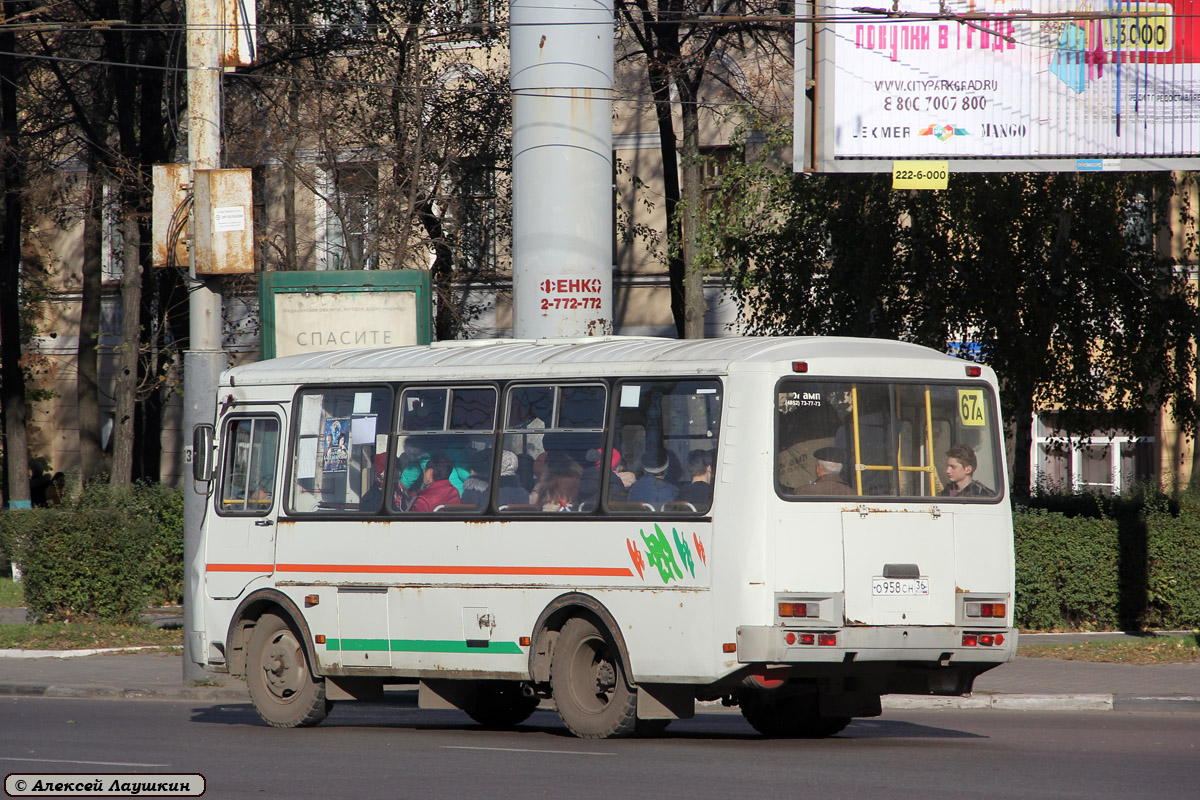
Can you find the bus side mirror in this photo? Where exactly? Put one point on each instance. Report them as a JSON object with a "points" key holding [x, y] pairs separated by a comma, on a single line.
{"points": [[202, 452]]}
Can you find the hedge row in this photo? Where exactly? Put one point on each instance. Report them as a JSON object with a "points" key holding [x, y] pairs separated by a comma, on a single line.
{"points": [[108, 553], [1099, 563]]}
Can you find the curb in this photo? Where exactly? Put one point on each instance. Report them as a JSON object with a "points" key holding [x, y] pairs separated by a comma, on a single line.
{"points": [[213, 694], [95, 651], [1004, 702]]}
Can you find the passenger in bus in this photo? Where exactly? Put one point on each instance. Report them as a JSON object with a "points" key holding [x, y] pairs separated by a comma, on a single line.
{"points": [[438, 489], [589, 483], [509, 490], [830, 463], [698, 491], [960, 474], [653, 487], [558, 488]]}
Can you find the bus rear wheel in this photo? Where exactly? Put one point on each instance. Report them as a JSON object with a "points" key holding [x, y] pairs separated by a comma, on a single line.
{"points": [[501, 704], [285, 692], [589, 683], [777, 713]]}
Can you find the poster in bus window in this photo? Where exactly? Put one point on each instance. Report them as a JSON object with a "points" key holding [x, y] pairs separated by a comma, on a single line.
{"points": [[337, 432]]}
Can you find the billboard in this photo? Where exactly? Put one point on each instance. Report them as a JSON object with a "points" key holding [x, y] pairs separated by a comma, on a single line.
{"points": [[993, 85]]}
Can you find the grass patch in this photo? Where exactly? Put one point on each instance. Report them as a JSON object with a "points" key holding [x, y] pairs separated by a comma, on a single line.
{"points": [[85, 635], [1156, 650], [11, 595]]}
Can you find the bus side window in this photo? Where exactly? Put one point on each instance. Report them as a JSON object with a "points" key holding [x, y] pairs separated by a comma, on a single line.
{"points": [[663, 458], [248, 473], [444, 452], [339, 449], [556, 432]]}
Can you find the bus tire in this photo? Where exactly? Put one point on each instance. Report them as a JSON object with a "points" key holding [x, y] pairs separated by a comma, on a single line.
{"points": [[501, 704], [780, 714], [589, 684], [285, 692]]}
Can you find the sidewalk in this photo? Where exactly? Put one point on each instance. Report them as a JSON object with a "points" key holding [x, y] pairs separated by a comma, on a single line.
{"points": [[1027, 683]]}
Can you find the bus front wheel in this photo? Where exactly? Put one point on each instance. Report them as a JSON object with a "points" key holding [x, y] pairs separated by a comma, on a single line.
{"points": [[779, 714], [589, 683], [285, 692]]}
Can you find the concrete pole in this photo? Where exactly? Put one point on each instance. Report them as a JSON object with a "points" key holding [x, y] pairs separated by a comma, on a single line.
{"points": [[204, 359], [561, 53]]}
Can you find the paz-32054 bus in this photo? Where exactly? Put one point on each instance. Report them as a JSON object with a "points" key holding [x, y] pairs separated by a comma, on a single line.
{"points": [[793, 525]]}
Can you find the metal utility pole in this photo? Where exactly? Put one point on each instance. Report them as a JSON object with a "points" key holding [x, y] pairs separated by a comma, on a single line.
{"points": [[204, 359], [561, 54]]}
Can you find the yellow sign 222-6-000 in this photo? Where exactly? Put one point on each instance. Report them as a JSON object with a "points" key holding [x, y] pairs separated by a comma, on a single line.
{"points": [[920, 174]]}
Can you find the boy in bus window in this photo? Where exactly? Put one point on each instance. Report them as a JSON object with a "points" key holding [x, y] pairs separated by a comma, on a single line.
{"points": [[960, 474]]}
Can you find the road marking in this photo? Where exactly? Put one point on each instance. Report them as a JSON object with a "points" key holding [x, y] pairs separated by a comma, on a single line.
{"points": [[528, 750], [93, 763]]}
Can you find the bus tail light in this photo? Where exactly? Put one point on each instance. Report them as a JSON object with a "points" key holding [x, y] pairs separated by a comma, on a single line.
{"points": [[974, 371], [989, 610], [799, 609], [970, 639], [799, 366], [827, 640], [805, 639]]}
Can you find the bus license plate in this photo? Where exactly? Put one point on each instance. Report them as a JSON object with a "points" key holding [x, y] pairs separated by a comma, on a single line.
{"points": [[899, 587]]}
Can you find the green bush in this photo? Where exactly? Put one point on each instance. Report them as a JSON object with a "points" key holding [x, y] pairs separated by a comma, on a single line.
{"points": [[76, 563], [1097, 562], [162, 506], [1067, 571], [107, 553]]}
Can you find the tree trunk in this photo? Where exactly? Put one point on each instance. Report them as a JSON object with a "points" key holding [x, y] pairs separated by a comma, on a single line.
{"points": [[128, 356], [88, 381], [693, 276], [660, 88], [12, 376]]}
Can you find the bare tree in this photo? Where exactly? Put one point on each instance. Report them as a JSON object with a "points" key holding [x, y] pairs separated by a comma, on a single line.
{"points": [[691, 50]]}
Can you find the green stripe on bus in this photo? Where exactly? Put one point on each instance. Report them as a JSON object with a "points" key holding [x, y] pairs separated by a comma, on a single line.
{"points": [[422, 646]]}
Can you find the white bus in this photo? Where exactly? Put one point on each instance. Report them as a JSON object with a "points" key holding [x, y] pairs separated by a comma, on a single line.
{"points": [[793, 525]]}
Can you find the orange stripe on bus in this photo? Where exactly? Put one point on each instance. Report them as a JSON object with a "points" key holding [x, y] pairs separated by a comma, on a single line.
{"points": [[614, 572], [241, 567]]}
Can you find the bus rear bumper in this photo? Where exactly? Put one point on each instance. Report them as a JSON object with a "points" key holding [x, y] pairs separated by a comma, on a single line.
{"points": [[942, 645]]}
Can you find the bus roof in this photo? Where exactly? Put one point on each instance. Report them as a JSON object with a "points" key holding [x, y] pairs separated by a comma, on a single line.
{"points": [[606, 355]]}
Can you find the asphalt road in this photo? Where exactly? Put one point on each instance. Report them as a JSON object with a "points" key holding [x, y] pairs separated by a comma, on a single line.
{"points": [[379, 750]]}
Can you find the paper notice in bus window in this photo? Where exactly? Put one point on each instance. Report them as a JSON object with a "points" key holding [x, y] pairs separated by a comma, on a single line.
{"points": [[362, 429], [306, 457], [362, 402], [630, 395], [971, 408], [310, 415]]}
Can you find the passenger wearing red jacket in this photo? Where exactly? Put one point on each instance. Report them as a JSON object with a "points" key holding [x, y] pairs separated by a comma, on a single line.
{"points": [[438, 489]]}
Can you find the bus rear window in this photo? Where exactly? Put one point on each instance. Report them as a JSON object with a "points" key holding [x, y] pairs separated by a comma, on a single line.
{"points": [[880, 439]]}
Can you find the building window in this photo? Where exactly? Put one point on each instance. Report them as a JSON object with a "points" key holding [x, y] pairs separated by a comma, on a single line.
{"points": [[1100, 462], [346, 219], [714, 162], [474, 218]]}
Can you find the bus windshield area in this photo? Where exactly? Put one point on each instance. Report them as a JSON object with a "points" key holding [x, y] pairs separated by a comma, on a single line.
{"points": [[886, 439]]}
